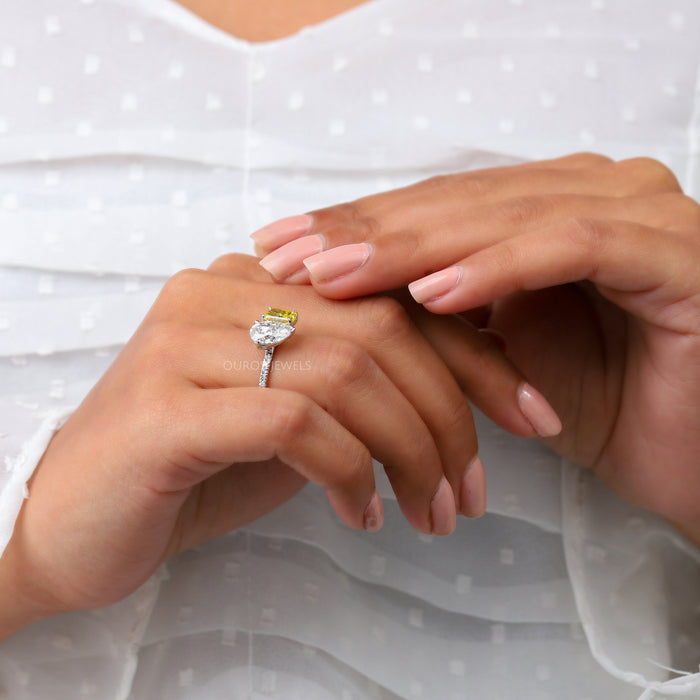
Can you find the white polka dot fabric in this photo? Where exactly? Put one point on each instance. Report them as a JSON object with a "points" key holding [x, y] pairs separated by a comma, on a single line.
{"points": [[135, 140]]}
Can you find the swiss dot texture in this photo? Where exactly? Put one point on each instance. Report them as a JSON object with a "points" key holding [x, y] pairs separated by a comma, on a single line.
{"points": [[135, 141]]}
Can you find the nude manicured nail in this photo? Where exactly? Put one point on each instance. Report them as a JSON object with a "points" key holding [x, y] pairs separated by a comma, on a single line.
{"points": [[436, 285], [537, 411], [287, 260], [374, 514], [280, 232], [337, 261], [472, 493], [443, 514], [299, 277]]}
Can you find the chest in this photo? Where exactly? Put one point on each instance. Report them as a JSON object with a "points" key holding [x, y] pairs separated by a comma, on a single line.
{"points": [[257, 21]]}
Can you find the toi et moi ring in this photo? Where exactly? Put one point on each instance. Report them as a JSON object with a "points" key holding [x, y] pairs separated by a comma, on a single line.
{"points": [[274, 327]]}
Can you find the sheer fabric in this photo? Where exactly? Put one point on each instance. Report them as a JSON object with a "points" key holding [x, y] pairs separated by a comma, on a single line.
{"points": [[135, 140]]}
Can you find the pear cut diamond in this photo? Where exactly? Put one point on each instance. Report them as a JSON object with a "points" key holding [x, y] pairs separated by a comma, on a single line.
{"points": [[268, 334]]}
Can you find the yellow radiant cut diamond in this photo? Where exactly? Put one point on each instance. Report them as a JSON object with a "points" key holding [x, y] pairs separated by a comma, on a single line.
{"points": [[281, 315]]}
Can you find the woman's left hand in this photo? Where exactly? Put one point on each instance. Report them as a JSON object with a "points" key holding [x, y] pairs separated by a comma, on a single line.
{"points": [[588, 267]]}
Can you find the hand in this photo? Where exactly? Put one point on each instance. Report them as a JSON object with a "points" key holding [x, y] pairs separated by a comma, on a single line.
{"points": [[617, 353], [176, 444]]}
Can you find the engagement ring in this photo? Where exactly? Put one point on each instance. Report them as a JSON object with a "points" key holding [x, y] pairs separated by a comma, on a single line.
{"points": [[275, 326]]}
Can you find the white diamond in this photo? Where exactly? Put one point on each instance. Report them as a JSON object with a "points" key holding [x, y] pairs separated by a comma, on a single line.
{"points": [[270, 333]]}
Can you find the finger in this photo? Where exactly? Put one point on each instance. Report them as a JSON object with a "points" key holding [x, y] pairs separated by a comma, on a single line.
{"points": [[249, 490], [343, 379], [355, 390], [445, 197], [382, 326], [241, 266], [363, 268], [488, 378], [480, 368], [581, 160], [279, 232], [379, 242], [500, 180], [645, 271], [229, 426], [631, 177]]}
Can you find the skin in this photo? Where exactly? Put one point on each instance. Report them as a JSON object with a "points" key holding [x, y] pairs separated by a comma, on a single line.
{"points": [[590, 271], [176, 444], [257, 21]]}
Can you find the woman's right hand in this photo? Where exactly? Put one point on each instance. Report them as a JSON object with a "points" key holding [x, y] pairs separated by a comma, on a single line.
{"points": [[176, 444]]}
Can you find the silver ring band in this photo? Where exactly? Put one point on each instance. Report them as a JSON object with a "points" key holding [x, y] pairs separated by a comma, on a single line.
{"points": [[266, 364]]}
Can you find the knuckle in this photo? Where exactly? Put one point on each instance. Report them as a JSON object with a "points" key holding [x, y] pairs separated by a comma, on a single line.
{"points": [[384, 318], [231, 262], [676, 211], [458, 419], [421, 445], [349, 211], [290, 415], [240, 267], [365, 228], [343, 364], [442, 183], [588, 234], [160, 346], [181, 288], [356, 466], [689, 213], [463, 185], [186, 279], [522, 212], [506, 259], [588, 159], [650, 172], [354, 224]]}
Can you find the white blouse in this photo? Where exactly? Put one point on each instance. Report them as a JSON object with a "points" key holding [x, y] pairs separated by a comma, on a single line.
{"points": [[135, 139]]}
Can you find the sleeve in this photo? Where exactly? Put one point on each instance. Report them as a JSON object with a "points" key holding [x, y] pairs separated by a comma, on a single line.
{"points": [[58, 334], [21, 454], [635, 582]]}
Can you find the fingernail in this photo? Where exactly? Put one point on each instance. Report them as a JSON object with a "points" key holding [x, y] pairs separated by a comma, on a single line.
{"points": [[337, 261], [443, 514], [287, 260], [472, 493], [280, 232], [299, 277], [374, 514], [537, 411], [436, 285]]}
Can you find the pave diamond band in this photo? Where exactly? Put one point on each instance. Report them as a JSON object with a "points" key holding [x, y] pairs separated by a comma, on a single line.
{"points": [[274, 327]]}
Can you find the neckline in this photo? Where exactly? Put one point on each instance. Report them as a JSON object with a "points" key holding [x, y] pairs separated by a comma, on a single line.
{"points": [[191, 22]]}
